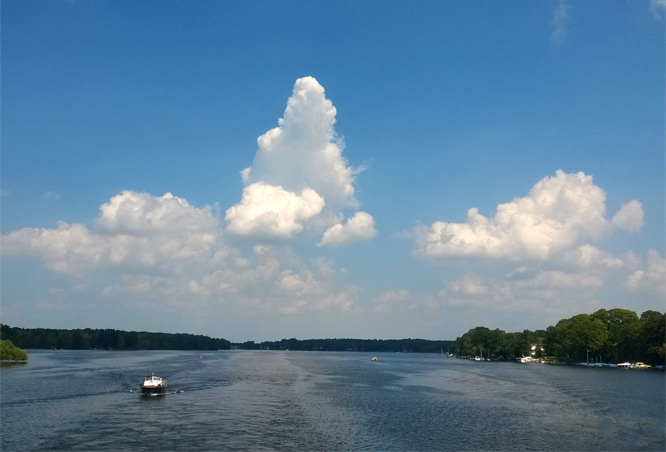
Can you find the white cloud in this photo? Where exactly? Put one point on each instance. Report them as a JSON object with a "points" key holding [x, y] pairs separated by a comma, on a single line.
{"points": [[70, 248], [50, 196], [132, 229], [297, 160], [651, 278], [657, 7], [559, 212], [141, 214], [629, 217], [588, 257], [391, 300], [580, 280], [271, 211], [536, 291], [560, 22], [359, 227], [312, 289]]}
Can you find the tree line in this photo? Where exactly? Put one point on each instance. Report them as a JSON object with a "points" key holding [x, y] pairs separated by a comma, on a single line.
{"points": [[110, 339], [611, 336], [107, 339], [350, 345]]}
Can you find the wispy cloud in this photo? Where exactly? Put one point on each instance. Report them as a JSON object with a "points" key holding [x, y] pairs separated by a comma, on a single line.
{"points": [[658, 7], [50, 196], [560, 22]]}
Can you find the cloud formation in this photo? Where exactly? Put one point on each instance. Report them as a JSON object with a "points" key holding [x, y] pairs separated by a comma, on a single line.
{"points": [[132, 229], [50, 196], [299, 179], [557, 214], [359, 227], [160, 253], [560, 22], [271, 211], [650, 279], [657, 7]]}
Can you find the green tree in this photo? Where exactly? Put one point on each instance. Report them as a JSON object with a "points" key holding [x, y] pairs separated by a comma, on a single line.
{"points": [[578, 336], [623, 329], [9, 352], [652, 336]]}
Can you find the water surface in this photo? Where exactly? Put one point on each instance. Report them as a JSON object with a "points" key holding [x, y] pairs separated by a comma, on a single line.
{"points": [[262, 401]]}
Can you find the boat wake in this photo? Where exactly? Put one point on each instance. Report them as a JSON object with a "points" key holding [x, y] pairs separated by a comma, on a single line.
{"points": [[139, 393]]}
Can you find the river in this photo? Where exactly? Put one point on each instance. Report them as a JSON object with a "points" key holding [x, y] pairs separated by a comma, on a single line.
{"points": [[321, 401]]}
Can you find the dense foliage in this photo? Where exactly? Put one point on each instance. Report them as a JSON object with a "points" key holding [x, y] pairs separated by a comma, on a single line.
{"points": [[108, 339], [614, 336], [10, 352], [497, 344], [353, 345]]}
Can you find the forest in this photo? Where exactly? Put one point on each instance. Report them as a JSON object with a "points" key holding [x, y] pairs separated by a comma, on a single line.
{"points": [[610, 336], [86, 339], [351, 345], [107, 339]]}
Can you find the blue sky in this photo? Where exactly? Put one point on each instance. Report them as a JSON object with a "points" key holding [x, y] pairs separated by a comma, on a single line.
{"points": [[265, 170]]}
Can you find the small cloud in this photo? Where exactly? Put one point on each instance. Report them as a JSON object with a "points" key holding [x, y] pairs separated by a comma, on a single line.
{"points": [[50, 196], [560, 22], [657, 7], [629, 217], [588, 257], [651, 278], [359, 227]]}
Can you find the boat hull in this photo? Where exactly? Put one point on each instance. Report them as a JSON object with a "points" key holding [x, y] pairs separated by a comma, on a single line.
{"points": [[153, 390]]}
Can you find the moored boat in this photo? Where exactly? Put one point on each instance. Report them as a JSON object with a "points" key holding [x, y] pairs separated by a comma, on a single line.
{"points": [[524, 359], [153, 385], [640, 365]]}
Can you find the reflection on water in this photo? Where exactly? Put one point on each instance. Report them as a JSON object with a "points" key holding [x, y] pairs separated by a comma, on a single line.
{"points": [[89, 400]]}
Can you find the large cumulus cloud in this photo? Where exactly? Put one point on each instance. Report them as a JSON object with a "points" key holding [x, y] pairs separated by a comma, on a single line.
{"points": [[299, 179], [558, 213]]}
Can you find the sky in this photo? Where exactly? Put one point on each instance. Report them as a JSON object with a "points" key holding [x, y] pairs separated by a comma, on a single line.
{"points": [[263, 170]]}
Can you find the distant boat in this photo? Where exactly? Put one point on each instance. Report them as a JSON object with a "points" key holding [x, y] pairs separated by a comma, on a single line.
{"points": [[477, 358], [153, 385], [625, 365], [524, 359], [374, 358]]}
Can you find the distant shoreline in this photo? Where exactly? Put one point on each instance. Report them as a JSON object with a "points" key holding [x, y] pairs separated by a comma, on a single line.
{"points": [[111, 339]]}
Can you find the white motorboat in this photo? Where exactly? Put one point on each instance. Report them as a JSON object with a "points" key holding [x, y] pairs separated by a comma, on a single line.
{"points": [[153, 385]]}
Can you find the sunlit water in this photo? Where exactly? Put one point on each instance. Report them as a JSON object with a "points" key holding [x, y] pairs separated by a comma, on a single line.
{"points": [[306, 401]]}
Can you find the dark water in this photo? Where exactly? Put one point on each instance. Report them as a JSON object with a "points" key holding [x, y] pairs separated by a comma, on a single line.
{"points": [[300, 401]]}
